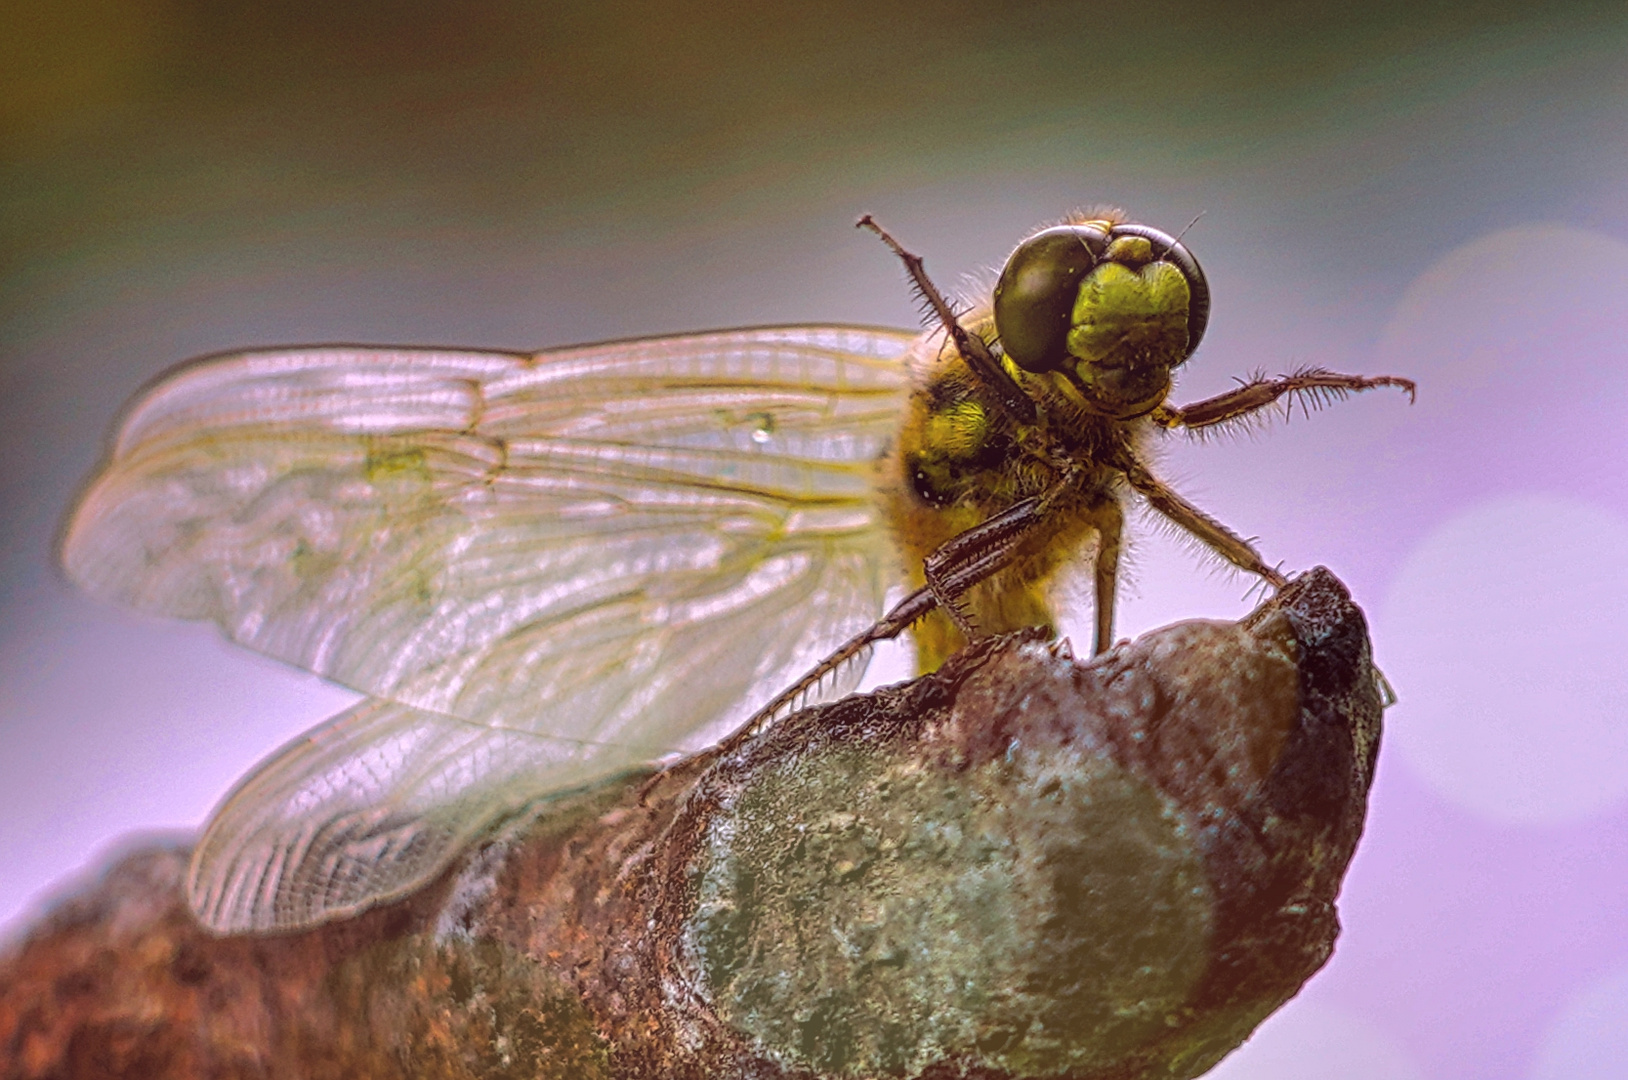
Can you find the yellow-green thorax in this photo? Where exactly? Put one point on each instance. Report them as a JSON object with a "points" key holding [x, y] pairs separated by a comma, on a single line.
{"points": [[957, 461]]}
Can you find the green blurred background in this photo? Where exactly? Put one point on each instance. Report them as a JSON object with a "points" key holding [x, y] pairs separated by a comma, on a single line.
{"points": [[183, 177]]}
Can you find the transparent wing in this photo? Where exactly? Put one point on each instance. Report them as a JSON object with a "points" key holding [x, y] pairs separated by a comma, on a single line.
{"points": [[623, 548], [310, 835]]}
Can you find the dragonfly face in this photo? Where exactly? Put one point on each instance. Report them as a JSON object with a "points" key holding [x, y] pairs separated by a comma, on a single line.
{"points": [[1110, 307], [543, 569]]}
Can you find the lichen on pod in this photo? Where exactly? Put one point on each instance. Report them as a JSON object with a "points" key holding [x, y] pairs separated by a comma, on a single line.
{"points": [[1023, 865], [1029, 866]]}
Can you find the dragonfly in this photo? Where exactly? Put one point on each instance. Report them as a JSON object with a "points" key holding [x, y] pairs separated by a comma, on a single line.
{"points": [[543, 569]]}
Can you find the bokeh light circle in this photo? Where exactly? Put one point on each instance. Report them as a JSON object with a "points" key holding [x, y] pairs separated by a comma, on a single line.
{"points": [[1589, 1039], [1505, 633], [1517, 342]]}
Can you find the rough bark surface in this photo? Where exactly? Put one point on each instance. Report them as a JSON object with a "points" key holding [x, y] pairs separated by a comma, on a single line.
{"points": [[1023, 865]]}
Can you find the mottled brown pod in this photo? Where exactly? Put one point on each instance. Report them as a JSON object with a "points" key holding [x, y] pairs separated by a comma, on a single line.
{"points": [[1021, 866]]}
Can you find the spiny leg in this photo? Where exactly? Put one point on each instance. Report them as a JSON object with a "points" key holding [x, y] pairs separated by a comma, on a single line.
{"points": [[1220, 539], [968, 558], [957, 565], [1314, 388], [1004, 390], [1110, 523]]}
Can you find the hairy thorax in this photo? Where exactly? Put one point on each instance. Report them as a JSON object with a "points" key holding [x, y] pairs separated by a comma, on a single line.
{"points": [[957, 461]]}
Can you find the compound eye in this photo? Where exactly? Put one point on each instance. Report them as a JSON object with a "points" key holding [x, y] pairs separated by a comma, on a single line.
{"points": [[1167, 248], [1035, 295]]}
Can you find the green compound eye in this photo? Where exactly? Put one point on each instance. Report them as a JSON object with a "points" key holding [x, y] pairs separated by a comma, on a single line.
{"points": [[1036, 294], [1167, 248], [1136, 312]]}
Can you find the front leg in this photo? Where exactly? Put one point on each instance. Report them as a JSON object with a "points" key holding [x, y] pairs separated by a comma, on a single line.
{"points": [[1313, 387], [1216, 536], [982, 551], [968, 558]]}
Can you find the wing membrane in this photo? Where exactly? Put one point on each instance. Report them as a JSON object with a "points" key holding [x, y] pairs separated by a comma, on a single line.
{"points": [[365, 808], [628, 545]]}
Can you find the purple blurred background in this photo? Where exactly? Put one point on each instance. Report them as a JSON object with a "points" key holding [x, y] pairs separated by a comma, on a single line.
{"points": [[1429, 190]]}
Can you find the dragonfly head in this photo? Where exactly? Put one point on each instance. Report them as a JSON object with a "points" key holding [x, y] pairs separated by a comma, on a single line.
{"points": [[1111, 307]]}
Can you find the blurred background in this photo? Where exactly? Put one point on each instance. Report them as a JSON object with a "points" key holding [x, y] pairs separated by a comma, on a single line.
{"points": [[1433, 190]]}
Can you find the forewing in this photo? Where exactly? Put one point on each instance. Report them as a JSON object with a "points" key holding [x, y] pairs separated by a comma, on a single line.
{"points": [[625, 546], [436, 527]]}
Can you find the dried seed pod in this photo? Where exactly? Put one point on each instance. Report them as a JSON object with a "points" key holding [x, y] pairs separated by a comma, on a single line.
{"points": [[1022, 865]]}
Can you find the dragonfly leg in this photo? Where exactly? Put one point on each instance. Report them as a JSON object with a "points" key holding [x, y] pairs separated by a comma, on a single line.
{"points": [[1006, 393], [900, 618], [970, 557], [1214, 535], [1110, 523], [953, 568], [1312, 388]]}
